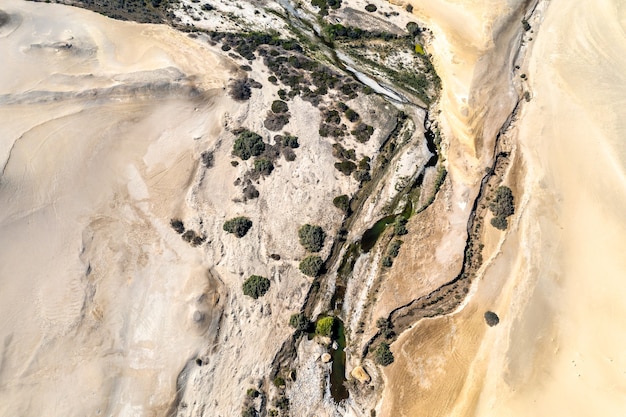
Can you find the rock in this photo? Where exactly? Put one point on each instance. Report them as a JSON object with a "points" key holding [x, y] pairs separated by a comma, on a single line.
{"points": [[360, 374], [326, 357]]}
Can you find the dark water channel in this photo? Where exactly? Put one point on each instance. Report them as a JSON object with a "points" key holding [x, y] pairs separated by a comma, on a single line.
{"points": [[338, 390]]}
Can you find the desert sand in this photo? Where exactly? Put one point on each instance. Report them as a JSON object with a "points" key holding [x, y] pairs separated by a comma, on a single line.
{"points": [[556, 277], [97, 141]]}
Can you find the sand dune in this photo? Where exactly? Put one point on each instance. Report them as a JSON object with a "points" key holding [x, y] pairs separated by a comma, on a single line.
{"points": [[97, 136], [557, 275]]}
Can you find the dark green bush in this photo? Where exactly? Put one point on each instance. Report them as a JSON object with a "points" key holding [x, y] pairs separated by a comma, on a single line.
{"points": [[351, 115], [342, 202], [240, 90], [311, 266], [499, 223], [394, 248], [249, 412], [362, 176], [387, 262], [345, 167], [279, 106], [299, 322], [290, 141], [238, 226], [371, 8], [248, 144], [312, 237], [177, 225], [279, 381], [263, 166], [386, 327], [362, 132], [383, 356], [399, 227], [275, 122], [256, 286], [491, 318], [502, 206]]}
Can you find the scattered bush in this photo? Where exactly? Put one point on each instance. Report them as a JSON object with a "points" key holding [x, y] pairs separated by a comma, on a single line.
{"points": [[342, 202], [275, 122], [362, 175], [272, 79], [386, 328], [279, 381], [250, 192], [248, 144], [409, 8], [311, 266], [238, 226], [279, 106], [289, 141], [491, 318], [387, 262], [399, 227], [207, 7], [240, 90], [383, 356], [312, 237], [345, 167], [252, 393], [371, 8], [325, 326], [413, 28], [177, 225], [394, 248], [299, 322], [502, 206], [207, 158], [256, 286], [289, 154], [263, 166], [351, 115], [362, 132], [249, 412]]}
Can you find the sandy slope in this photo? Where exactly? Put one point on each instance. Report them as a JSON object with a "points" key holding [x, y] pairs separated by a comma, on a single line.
{"points": [[96, 149], [557, 279]]}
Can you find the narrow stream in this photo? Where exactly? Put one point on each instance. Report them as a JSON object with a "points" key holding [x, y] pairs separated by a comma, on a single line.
{"points": [[338, 390]]}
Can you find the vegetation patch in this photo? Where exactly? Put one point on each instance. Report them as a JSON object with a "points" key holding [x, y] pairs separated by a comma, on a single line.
{"points": [[238, 226], [177, 225], [311, 237], [502, 206], [299, 322], [248, 144], [371, 8], [279, 106], [383, 355], [491, 318], [311, 266], [263, 166], [256, 286], [325, 326], [342, 202]]}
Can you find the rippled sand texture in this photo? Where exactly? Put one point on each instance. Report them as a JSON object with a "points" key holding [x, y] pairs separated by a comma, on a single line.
{"points": [[97, 135], [557, 281]]}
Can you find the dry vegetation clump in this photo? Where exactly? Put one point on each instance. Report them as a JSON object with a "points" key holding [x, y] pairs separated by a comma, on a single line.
{"points": [[238, 226], [311, 237], [256, 286]]}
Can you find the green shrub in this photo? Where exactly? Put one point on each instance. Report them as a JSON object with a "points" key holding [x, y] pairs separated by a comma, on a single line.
{"points": [[272, 79], [279, 106], [238, 226], [299, 322], [502, 206], [177, 225], [263, 166], [252, 393], [383, 356], [311, 266], [394, 248], [499, 222], [325, 326], [342, 202], [371, 8], [386, 328], [352, 116], [248, 144], [290, 141], [249, 412], [279, 381], [312, 237], [275, 122], [491, 318], [399, 227], [345, 167], [387, 262], [362, 132], [256, 286]]}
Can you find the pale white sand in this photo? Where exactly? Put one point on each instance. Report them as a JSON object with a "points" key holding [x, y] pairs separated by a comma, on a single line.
{"points": [[557, 280], [93, 279]]}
